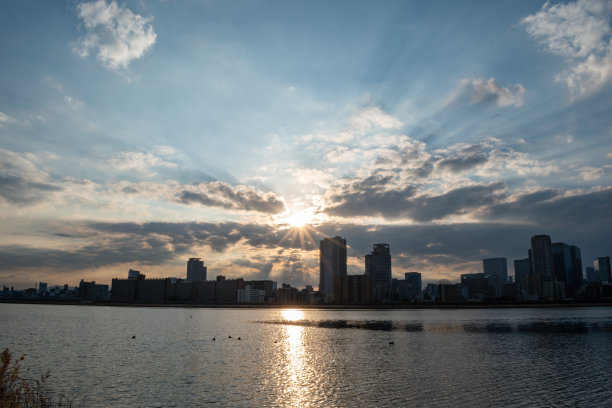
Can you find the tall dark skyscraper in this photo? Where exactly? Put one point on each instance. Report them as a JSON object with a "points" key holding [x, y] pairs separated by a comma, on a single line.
{"points": [[567, 266], [415, 286], [522, 269], [332, 262], [541, 255], [196, 271], [378, 268], [496, 272], [602, 268], [542, 273]]}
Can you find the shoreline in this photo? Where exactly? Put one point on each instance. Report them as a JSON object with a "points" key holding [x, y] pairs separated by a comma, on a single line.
{"points": [[382, 306]]}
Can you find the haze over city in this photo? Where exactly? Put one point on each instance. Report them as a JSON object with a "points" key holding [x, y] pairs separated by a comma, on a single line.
{"points": [[138, 134]]}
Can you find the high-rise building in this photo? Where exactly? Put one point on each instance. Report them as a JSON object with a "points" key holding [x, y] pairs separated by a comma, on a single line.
{"points": [[602, 268], [496, 272], [378, 268], [592, 275], [522, 269], [415, 285], [332, 263], [196, 271], [567, 267], [541, 264], [541, 255]]}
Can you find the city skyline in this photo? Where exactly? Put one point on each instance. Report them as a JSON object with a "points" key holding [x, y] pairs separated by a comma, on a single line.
{"points": [[140, 134]]}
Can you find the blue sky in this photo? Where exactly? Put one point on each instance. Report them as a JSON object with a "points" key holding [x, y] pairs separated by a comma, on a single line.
{"points": [[138, 134]]}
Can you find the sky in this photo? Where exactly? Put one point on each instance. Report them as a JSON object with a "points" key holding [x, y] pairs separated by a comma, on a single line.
{"points": [[138, 134]]}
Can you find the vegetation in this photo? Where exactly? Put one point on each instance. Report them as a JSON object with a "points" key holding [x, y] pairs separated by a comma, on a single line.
{"points": [[18, 391]]}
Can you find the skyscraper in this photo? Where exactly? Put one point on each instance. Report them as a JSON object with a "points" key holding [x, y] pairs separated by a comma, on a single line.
{"points": [[415, 286], [602, 268], [521, 272], [541, 265], [378, 268], [567, 266], [196, 271], [496, 272], [332, 263]]}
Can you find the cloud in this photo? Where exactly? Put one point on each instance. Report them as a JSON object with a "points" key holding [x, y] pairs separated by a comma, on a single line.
{"points": [[138, 161], [570, 211], [580, 32], [373, 196], [223, 195], [6, 120], [374, 117], [118, 35], [488, 91], [591, 173], [21, 182], [464, 162], [378, 196]]}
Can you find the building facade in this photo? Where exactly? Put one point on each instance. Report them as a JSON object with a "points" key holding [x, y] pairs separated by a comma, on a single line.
{"points": [[378, 268], [196, 271], [332, 263]]}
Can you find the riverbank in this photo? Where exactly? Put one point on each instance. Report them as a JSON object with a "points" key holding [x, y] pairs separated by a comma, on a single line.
{"points": [[372, 306]]}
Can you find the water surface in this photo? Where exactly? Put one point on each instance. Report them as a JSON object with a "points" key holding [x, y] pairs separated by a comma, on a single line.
{"points": [[461, 357]]}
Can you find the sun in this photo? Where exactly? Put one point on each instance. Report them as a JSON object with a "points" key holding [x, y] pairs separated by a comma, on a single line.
{"points": [[297, 218]]}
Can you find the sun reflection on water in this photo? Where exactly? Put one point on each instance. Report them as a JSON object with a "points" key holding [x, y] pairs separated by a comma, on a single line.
{"points": [[296, 370]]}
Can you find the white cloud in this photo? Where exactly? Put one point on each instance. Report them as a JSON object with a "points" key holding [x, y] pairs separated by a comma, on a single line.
{"points": [[138, 161], [591, 173], [580, 32], [488, 90], [118, 35], [6, 120], [374, 117]]}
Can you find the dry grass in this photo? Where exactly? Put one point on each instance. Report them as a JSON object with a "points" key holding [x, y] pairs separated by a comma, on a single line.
{"points": [[18, 391]]}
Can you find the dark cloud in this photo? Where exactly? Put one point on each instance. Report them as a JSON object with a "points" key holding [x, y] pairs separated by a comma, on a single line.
{"points": [[462, 163], [458, 201], [217, 194], [20, 190], [372, 197], [551, 207]]}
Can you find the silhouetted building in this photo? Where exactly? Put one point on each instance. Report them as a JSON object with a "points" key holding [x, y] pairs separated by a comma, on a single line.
{"points": [[522, 269], [602, 268], [476, 284], [567, 266], [91, 291], [448, 293], [496, 272], [353, 289], [152, 290], [287, 294], [196, 271], [541, 264], [123, 290], [226, 290], [378, 268], [133, 274], [248, 294], [332, 263], [415, 285], [267, 286], [204, 292], [511, 291], [181, 291], [592, 275]]}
